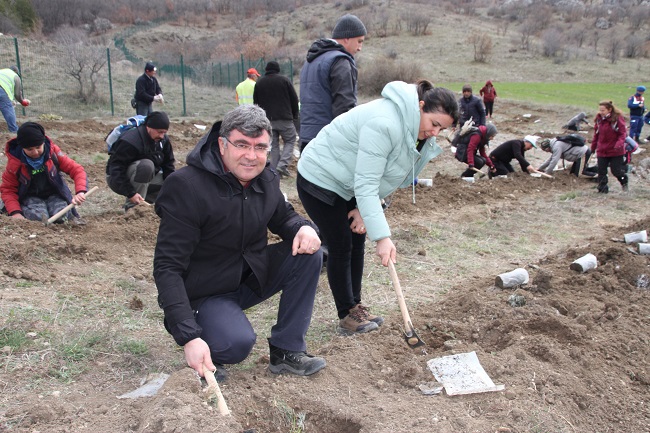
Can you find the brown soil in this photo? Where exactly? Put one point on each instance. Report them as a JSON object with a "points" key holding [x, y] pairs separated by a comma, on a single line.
{"points": [[574, 358]]}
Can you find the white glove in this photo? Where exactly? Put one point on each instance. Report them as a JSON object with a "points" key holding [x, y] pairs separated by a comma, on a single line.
{"points": [[162, 100], [157, 98]]}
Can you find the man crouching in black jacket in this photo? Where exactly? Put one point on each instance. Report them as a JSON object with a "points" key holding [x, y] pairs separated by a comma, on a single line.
{"points": [[140, 160], [212, 257]]}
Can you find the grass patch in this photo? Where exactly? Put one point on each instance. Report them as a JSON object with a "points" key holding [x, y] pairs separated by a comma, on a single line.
{"points": [[14, 338], [569, 196], [133, 347], [585, 96]]}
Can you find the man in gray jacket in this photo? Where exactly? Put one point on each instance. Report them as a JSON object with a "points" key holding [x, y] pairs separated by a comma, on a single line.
{"points": [[328, 79], [579, 155]]}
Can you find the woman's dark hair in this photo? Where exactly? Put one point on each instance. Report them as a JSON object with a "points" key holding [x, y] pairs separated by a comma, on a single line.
{"points": [[437, 99]]}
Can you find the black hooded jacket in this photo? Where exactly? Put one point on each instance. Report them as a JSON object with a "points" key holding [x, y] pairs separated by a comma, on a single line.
{"points": [[213, 233]]}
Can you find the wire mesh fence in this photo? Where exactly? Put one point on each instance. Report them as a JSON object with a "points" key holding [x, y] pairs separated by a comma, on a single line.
{"points": [[77, 81]]}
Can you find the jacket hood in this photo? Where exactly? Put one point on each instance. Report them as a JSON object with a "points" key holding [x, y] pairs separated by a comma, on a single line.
{"points": [[405, 96], [488, 83], [322, 46], [205, 154]]}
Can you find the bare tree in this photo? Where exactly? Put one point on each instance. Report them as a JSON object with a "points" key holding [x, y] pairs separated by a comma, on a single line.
{"points": [[482, 44], [416, 23], [83, 61], [613, 47], [553, 42], [633, 46]]}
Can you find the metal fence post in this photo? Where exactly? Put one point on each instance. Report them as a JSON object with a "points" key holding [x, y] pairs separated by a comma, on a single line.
{"points": [[110, 80], [22, 89], [183, 85]]}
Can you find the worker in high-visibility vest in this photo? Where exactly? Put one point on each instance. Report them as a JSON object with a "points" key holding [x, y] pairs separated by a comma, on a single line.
{"points": [[11, 89], [244, 90]]}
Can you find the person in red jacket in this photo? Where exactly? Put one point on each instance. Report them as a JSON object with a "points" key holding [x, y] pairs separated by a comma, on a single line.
{"points": [[489, 94], [609, 144], [32, 186]]}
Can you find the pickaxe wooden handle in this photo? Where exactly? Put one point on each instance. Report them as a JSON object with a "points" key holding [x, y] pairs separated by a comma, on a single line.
{"points": [[65, 210], [213, 387], [412, 338]]}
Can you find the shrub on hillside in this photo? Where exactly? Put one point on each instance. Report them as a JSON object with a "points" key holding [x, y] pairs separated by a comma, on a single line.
{"points": [[373, 78]]}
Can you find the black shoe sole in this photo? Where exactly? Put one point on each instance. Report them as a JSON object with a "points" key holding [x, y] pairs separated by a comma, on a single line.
{"points": [[316, 366]]}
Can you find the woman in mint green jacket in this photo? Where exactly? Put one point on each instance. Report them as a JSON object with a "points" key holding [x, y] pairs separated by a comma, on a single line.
{"points": [[363, 156]]}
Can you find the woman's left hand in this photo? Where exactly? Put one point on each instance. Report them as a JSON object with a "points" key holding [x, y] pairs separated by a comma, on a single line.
{"points": [[356, 225]]}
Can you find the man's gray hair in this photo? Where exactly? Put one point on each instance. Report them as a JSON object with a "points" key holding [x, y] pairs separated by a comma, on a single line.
{"points": [[248, 119]]}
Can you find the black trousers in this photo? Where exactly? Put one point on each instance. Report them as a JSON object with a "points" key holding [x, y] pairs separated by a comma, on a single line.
{"points": [[346, 249], [479, 162], [617, 166], [226, 328]]}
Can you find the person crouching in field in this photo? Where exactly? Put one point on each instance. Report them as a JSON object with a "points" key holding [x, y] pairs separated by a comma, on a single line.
{"points": [[609, 144], [140, 160], [503, 155], [32, 186], [578, 155]]}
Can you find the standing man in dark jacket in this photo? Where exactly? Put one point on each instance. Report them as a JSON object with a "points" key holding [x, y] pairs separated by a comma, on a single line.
{"points": [[213, 261], [140, 160], [328, 80], [472, 107], [504, 153], [277, 96], [147, 90]]}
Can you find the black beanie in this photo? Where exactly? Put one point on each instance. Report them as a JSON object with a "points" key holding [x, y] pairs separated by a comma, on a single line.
{"points": [[348, 26], [30, 134], [272, 66], [157, 120]]}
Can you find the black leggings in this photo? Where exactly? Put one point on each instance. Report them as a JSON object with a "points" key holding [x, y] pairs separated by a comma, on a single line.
{"points": [[489, 105], [345, 248], [617, 165]]}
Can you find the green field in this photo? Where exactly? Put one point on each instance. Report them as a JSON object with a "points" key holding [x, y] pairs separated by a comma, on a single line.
{"points": [[584, 96]]}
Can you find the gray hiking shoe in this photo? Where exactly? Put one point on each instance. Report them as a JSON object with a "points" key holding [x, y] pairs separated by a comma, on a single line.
{"points": [[298, 363], [355, 322]]}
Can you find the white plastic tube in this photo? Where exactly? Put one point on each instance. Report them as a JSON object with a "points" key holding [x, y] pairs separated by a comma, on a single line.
{"points": [[633, 237], [584, 263], [512, 278]]}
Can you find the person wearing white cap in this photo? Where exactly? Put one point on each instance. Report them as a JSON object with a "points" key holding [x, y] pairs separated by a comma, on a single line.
{"points": [[504, 153]]}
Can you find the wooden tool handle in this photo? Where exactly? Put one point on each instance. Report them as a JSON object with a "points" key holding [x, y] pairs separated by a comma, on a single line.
{"points": [[65, 210], [213, 386], [408, 326]]}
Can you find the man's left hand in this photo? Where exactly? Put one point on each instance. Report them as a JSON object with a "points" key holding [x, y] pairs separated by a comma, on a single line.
{"points": [[306, 241]]}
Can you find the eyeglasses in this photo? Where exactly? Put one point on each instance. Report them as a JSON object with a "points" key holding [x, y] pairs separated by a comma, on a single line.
{"points": [[260, 148]]}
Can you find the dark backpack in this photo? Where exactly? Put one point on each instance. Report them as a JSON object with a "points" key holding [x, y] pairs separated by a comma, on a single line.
{"points": [[115, 133], [572, 139], [462, 141]]}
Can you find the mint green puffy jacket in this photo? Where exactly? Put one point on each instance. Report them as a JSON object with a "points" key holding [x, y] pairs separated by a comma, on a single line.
{"points": [[369, 152]]}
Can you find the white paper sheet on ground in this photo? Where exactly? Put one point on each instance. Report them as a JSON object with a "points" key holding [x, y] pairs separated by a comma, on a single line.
{"points": [[152, 384], [536, 174], [462, 374]]}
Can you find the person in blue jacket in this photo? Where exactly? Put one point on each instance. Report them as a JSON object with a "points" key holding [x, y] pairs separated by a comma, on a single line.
{"points": [[636, 104], [353, 163]]}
